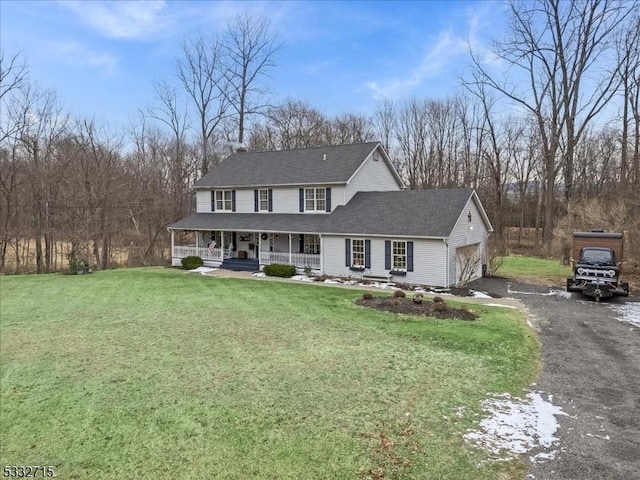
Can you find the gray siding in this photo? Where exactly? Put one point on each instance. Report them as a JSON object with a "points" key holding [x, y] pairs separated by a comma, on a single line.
{"points": [[285, 200], [203, 201], [373, 176], [462, 235], [429, 260]]}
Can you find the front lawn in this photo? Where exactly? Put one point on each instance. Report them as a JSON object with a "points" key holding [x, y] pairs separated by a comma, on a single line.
{"points": [[153, 373]]}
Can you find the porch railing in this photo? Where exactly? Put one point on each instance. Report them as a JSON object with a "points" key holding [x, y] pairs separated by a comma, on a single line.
{"points": [[180, 251], [298, 259]]}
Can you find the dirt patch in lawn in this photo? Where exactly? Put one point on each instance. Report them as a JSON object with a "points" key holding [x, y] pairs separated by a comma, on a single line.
{"points": [[438, 309]]}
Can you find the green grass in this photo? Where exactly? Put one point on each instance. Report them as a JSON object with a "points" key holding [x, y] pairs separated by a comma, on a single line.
{"points": [[153, 373], [533, 268]]}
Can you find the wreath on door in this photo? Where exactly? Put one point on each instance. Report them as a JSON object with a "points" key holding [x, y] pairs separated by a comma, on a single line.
{"points": [[264, 236]]}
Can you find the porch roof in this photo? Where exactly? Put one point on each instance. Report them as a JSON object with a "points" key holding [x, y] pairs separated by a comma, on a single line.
{"points": [[254, 222]]}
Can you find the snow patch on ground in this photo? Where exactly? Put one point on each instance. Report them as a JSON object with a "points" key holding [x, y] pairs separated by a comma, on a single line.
{"points": [[628, 313], [476, 294], [516, 426], [259, 274], [202, 270], [551, 293]]}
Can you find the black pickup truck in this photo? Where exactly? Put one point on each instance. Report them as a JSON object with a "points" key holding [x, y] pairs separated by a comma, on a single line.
{"points": [[596, 273]]}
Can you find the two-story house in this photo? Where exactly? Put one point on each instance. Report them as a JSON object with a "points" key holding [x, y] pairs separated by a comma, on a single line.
{"points": [[340, 210]]}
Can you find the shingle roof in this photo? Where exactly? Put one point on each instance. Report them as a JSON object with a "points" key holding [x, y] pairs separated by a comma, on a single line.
{"points": [[334, 164], [414, 213], [261, 222], [420, 213]]}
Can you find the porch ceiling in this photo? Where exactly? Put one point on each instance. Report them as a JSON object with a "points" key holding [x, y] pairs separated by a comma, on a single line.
{"points": [[253, 222]]}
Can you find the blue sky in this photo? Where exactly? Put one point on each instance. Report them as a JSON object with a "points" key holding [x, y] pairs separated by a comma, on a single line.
{"points": [[103, 57]]}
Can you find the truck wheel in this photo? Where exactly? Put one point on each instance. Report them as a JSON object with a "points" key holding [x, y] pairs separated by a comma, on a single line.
{"points": [[625, 287], [569, 284]]}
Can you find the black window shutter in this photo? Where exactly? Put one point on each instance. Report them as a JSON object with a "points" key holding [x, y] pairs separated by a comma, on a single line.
{"points": [[302, 199], [233, 200], [409, 256], [328, 202], [347, 252], [367, 254], [270, 200], [301, 243], [255, 200], [387, 255], [213, 200]]}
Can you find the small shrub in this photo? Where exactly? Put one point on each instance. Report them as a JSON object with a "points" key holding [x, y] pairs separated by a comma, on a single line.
{"points": [[280, 270], [189, 263], [417, 298], [440, 307], [399, 294], [367, 296], [437, 299], [321, 278], [78, 266], [308, 271]]}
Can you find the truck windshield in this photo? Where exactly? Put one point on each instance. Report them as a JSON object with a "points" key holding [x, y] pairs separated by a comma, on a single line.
{"points": [[599, 255]]}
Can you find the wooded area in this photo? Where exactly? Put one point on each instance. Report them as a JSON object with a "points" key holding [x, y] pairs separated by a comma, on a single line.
{"points": [[551, 142]]}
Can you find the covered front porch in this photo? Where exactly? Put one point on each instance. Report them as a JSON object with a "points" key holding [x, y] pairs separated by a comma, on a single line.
{"points": [[235, 249]]}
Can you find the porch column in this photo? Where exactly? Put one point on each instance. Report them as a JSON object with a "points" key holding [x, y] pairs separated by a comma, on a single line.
{"points": [[259, 247], [197, 235], [321, 254], [290, 250], [222, 246], [172, 244]]}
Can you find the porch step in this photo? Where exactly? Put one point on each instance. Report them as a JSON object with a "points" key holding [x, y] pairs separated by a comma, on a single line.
{"points": [[240, 265]]}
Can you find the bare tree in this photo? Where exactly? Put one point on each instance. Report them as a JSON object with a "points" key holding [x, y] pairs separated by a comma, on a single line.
{"points": [[555, 45], [250, 52], [202, 75], [171, 115]]}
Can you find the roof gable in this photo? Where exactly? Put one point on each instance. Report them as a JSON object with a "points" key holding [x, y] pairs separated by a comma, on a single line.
{"points": [[320, 165]]}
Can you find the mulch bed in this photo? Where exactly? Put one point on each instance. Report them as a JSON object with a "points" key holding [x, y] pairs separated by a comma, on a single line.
{"points": [[407, 306]]}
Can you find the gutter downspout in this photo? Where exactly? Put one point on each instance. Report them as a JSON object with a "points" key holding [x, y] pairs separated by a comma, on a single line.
{"points": [[446, 275]]}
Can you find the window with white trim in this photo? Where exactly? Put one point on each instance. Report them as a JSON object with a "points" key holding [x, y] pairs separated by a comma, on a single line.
{"points": [[399, 256], [312, 244], [263, 200], [357, 253], [224, 200], [315, 199]]}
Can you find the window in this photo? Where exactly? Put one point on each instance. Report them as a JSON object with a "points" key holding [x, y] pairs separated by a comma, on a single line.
{"points": [[399, 256], [224, 200], [311, 244], [263, 200], [315, 199], [357, 253]]}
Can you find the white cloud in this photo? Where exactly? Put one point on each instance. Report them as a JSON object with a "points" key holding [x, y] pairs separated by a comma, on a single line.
{"points": [[445, 52], [125, 19], [74, 53], [438, 57]]}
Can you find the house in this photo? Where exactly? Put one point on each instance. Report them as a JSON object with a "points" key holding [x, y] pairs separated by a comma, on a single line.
{"points": [[339, 210]]}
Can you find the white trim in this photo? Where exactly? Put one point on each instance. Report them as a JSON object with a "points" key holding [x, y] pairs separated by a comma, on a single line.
{"points": [[260, 209], [223, 200], [262, 185]]}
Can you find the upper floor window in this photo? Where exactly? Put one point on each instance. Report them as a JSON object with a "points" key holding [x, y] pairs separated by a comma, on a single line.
{"points": [[315, 199], [263, 200], [224, 200]]}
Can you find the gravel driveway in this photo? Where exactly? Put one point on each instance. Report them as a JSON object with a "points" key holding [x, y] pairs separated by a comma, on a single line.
{"points": [[592, 371]]}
